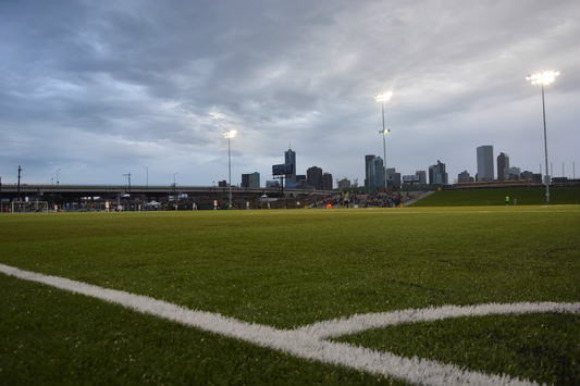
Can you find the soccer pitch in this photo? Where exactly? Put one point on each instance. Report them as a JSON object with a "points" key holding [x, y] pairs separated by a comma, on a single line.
{"points": [[277, 288]]}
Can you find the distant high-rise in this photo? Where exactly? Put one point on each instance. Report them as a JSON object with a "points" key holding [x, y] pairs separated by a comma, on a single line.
{"points": [[314, 177], [290, 161], [251, 180], [503, 166], [374, 172], [300, 180], [422, 175], [393, 178], [464, 177], [344, 184], [485, 163], [437, 174], [513, 173], [419, 178], [327, 183]]}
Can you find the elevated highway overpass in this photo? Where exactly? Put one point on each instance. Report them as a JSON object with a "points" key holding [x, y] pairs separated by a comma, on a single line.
{"points": [[140, 194]]}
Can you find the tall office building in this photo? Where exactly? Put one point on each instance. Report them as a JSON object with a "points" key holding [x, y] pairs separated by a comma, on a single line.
{"points": [[485, 163], [251, 180], [422, 175], [368, 170], [300, 180], [314, 177], [327, 182], [437, 174], [393, 178], [374, 172], [503, 166], [290, 161]]}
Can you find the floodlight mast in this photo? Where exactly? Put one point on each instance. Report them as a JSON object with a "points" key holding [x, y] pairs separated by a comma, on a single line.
{"points": [[544, 78], [382, 98], [229, 135]]}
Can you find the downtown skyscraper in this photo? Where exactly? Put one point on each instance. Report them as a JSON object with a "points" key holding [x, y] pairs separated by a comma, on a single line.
{"points": [[374, 172], [290, 162], [485, 163]]}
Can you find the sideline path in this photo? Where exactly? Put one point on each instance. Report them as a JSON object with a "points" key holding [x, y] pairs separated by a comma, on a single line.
{"points": [[422, 196], [310, 342]]}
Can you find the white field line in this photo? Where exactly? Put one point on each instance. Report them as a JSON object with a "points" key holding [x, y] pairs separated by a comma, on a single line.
{"points": [[358, 323], [304, 342]]}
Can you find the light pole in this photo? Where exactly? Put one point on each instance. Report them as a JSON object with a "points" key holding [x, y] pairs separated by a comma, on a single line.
{"points": [[544, 78], [382, 98], [175, 202], [229, 135]]}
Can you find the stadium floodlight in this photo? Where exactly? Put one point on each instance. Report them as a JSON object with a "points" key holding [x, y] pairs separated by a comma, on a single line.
{"points": [[229, 135], [544, 78], [382, 98]]}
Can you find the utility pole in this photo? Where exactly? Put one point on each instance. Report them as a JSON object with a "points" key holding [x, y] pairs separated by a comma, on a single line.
{"points": [[146, 183], [175, 201]]}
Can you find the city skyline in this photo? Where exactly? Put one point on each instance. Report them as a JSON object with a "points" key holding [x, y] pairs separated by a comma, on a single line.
{"points": [[91, 92], [484, 155]]}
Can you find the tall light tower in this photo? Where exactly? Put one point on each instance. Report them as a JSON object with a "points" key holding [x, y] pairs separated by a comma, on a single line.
{"points": [[229, 135], [382, 98], [175, 198], [544, 78]]}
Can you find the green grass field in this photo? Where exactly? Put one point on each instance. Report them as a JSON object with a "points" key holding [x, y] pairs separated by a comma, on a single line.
{"points": [[287, 269], [535, 195]]}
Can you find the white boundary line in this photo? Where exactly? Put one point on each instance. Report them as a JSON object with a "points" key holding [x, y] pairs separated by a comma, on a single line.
{"points": [[358, 323], [308, 342]]}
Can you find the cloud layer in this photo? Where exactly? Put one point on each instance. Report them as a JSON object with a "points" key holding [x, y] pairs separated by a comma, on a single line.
{"points": [[99, 89]]}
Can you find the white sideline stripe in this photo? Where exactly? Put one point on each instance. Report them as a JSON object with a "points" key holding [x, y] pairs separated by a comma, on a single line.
{"points": [[357, 323], [296, 342]]}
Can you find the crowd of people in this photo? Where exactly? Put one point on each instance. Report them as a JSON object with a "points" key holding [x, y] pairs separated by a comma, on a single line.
{"points": [[367, 200]]}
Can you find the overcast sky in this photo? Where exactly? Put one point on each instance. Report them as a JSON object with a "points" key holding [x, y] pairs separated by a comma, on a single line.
{"points": [[97, 89]]}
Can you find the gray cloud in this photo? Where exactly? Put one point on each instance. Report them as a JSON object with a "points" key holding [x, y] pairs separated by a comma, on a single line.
{"points": [[94, 87]]}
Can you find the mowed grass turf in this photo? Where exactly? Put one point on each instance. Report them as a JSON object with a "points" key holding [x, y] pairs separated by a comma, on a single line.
{"points": [[284, 269]]}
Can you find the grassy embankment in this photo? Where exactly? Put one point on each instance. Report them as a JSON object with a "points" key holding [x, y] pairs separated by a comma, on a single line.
{"points": [[518, 195]]}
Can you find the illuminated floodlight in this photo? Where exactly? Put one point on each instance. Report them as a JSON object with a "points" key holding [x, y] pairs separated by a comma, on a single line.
{"points": [[230, 134], [384, 97], [543, 78]]}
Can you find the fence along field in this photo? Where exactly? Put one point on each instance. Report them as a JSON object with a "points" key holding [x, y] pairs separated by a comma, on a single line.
{"points": [[339, 267]]}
